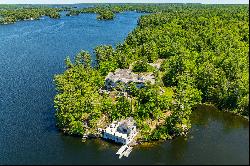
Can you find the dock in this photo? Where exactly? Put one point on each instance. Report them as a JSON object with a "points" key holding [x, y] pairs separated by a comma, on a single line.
{"points": [[125, 150], [121, 149]]}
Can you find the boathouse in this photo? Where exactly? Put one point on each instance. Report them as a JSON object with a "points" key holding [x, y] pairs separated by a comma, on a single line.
{"points": [[121, 132]]}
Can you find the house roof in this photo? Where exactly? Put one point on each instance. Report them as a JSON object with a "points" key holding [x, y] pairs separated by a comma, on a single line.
{"points": [[126, 76], [126, 125], [122, 128]]}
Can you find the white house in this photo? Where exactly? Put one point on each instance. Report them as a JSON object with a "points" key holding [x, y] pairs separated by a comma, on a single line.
{"points": [[121, 132]]}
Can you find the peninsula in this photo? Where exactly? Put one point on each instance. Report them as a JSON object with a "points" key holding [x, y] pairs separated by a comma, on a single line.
{"points": [[177, 57]]}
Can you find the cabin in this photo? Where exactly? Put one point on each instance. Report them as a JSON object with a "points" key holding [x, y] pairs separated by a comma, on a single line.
{"points": [[126, 76], [121, 132]]}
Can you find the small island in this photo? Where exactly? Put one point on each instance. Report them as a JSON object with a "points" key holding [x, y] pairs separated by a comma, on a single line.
{"points": [[106, 15], [177, 57]]}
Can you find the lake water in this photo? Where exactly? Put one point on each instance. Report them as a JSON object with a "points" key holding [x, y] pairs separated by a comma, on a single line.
{"points": [[31, 52]]}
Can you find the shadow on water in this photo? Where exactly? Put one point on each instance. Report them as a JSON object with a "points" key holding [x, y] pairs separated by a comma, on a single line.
{"points": [[216, 137], [204, 114], [178, 148]]}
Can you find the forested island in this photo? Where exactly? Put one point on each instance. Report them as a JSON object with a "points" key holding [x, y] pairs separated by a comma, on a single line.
{"points": [[13, 13], [103, 13], [202, 54]]}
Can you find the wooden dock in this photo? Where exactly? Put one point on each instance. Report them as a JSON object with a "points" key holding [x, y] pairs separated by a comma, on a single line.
{"points": [[121, 149], [125, 150]]}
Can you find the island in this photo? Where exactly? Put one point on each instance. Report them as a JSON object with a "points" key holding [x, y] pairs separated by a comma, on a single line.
{"points": [[176, 58], [13, 13]]}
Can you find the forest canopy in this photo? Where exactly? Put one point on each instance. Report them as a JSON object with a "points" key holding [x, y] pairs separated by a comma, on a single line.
{"points": [[204, 55], [13, 13]]}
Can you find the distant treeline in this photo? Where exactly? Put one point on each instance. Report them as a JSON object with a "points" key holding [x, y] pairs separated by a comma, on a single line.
{"points": [[13, 13], [107, 11]]}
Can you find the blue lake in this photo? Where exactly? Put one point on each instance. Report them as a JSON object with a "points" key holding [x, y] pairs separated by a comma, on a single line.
{"points": [[32, 52]]}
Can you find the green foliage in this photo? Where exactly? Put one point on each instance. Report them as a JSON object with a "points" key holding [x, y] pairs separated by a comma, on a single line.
{"points": [[83, 58], [105, 59], [149, 50], [142, 66], [205, 50], [68, 62], [78, 95], [105, 15], [121, 109], [76, 128], [12, 15]]}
